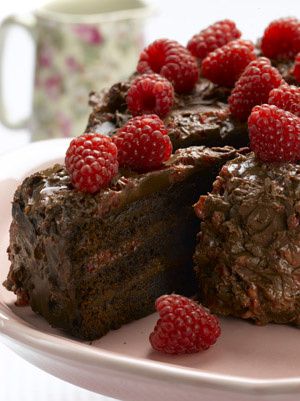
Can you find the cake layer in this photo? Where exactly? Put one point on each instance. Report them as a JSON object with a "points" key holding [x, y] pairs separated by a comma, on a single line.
{"points": [[90, 263], [248, 255], [199, 118]]}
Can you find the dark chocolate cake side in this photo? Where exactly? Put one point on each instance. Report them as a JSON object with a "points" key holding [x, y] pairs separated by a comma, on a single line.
{"points": [[247, 258], [90, 263], [199, 118]]}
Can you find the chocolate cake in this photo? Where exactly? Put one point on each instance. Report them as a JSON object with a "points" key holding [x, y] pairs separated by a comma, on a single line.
{"points": [[92, 262], [199, 118], [247, 257], [94, 258]]}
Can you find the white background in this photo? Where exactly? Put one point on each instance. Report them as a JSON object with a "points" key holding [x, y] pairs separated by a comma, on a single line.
{"points": [[174, 19]]}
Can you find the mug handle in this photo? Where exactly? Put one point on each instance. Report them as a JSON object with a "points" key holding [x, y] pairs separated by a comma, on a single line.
{"points": [[28, 23]]}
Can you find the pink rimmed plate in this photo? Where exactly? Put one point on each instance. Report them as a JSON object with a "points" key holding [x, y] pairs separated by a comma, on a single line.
{"points": [[247, 363]]}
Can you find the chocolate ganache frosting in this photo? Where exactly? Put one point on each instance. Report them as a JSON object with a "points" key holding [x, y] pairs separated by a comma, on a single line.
{"points": [[199, 118], [248, 253]]}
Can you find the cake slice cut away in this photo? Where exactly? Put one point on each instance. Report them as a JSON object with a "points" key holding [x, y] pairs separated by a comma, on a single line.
{"points": [[90, 263]]}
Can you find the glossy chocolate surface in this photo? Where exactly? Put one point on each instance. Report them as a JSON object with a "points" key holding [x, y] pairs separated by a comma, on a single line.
{"points": [[248, 255]]}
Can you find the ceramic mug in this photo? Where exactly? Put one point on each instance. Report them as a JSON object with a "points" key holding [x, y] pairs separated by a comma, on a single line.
{"points": [[80, 46]]}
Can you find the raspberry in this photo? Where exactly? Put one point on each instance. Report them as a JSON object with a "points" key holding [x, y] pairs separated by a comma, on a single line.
{"points": [[150, 93], [143, 143], [274, 134], [171, 60], [253, 87], [296, 70], [184, 326], [223, 66], [286, 97], [213, 37], [281, 39], [91, 162]]}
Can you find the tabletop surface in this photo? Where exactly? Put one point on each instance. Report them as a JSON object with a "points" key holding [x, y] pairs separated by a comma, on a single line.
{"points": [[174, 19]]}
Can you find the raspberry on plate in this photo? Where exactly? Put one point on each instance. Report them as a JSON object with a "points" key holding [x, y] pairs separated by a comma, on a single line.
{"points": [[171, 60], [143, 143], [281, 39], [274, 134], [224, 65], [296, 70], [184, 326], [91, 161], [253, 87], [286, 97], [150, 93], [213, 37]]}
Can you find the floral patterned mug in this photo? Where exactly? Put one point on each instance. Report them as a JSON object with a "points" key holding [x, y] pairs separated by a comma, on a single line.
{"points": [[80, 46]]}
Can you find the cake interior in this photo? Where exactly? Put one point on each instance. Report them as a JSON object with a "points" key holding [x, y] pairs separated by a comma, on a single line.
{"points": [[144, 251]]}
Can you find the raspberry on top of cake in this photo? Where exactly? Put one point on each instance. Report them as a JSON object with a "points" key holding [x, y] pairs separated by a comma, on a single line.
{"points": [[196, 113]]}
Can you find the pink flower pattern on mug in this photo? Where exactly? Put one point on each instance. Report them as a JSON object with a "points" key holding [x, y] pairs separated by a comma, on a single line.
{"points": [[70, 63], [53, 86], [88, 34], [73, 65], [45, 57], [64, 123]]}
